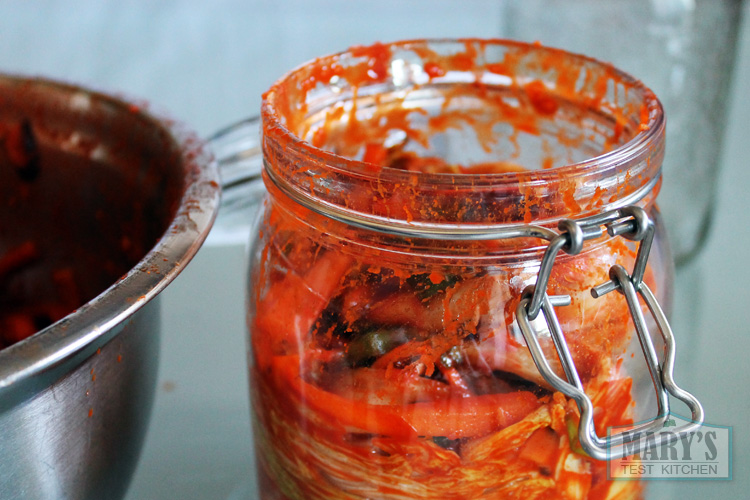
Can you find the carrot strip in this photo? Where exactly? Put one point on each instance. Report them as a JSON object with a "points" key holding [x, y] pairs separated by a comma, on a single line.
{"points": [[339, 411], [16, 327], [456, 381], [67, 288], [288, 311], [466, 417], [17, 257]]}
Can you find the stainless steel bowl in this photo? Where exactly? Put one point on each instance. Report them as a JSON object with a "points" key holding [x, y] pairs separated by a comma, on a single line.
{"points": [[123, 199]]}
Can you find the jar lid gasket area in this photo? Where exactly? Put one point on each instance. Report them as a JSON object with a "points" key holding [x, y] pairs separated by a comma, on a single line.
{"points": [[553, 134], [438, 230]]}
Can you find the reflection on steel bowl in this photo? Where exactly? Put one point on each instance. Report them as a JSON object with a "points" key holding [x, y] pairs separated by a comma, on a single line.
{"points": [[102, 203]]}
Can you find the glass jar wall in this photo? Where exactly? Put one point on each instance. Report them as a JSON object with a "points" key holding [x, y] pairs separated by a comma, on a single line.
{"points": [[385, 358]]}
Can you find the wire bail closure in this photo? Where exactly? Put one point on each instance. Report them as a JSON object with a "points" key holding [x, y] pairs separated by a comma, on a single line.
{"points": [[630, 222]]}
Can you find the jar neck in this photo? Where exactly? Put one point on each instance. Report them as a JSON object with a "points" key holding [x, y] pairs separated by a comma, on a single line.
{"points": [[309, 164]]}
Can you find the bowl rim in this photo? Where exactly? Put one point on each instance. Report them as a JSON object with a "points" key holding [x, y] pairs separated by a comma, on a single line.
{"points": [[96, 322]]}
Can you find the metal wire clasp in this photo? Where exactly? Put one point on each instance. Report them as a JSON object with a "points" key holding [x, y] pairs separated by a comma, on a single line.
{"points": [[633, 223]]}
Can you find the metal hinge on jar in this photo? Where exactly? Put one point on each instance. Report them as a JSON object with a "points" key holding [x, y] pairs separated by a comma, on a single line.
{"points": [[633, 223], [629, 222]]}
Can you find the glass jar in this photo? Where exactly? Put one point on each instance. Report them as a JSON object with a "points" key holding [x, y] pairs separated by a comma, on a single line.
{"points": [[691, 52], [410, 189]]}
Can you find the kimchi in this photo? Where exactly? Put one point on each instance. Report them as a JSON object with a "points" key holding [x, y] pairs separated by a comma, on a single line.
{"points": [[387, 364]]}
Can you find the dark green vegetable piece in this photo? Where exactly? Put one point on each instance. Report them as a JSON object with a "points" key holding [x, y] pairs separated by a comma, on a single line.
{"points": [[364, 349]]}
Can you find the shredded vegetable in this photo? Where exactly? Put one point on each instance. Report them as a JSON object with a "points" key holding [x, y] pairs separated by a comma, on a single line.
{"points": [[376, 383], [391, 367]]}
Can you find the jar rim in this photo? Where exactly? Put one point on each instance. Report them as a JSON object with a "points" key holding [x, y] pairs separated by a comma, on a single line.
{"points": [[648, 137]]}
